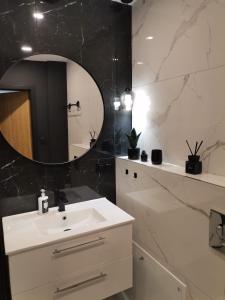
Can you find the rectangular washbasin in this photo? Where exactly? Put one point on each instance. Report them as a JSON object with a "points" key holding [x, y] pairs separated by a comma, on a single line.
{"points": [[57, 222]]}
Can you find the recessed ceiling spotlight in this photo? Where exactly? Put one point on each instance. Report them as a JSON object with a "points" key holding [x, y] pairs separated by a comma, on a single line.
{"points": [[26, 48], [38, 15], [149, 37], [140, 63]]}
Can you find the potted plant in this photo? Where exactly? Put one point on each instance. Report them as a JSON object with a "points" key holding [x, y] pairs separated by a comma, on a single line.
{"points": [[133, 151]]}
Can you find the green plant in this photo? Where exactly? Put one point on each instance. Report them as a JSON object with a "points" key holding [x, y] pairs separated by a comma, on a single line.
{"points": [[133, 138]]}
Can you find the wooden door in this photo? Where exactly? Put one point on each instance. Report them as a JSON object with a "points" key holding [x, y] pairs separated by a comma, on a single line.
{"points": [[15, 121]]}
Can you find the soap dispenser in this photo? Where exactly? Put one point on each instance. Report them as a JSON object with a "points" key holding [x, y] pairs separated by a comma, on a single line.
{"points": [[43, 203]]}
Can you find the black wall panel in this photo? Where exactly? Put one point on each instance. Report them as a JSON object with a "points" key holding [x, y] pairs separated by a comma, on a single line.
{"points": [[92, 33]]}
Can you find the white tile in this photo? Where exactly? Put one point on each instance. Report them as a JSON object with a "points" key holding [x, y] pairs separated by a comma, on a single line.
{"points": [[188, 37]]}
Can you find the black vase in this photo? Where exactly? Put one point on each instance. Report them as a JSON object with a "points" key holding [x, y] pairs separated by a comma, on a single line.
{"points": [[156, 157], [133, 153]]}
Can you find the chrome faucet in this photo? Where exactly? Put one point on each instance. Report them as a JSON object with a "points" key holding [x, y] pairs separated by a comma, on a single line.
{"points": [[60, 200]]}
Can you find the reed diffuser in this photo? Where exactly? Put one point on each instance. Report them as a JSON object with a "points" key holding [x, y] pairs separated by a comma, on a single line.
{"points": [[193, 164], [93, 137]]}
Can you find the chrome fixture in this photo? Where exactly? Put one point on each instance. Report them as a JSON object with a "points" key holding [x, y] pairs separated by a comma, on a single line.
{"points": [[101, 276], [217, 229]]}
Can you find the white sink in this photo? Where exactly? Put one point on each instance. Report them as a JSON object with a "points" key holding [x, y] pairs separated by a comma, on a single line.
{"points": [[31, 230], [56, 222]]}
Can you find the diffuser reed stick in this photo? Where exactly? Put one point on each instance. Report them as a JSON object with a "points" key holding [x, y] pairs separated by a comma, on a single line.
{"points": [[199, 147], [196, 147], [189, 147]]}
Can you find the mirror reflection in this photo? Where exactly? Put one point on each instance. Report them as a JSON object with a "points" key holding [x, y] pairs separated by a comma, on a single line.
{"points": [[51, 109]]}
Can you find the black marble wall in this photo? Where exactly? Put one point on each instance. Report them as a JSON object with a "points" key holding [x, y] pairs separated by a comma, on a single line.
{"points": [[93, 33]]}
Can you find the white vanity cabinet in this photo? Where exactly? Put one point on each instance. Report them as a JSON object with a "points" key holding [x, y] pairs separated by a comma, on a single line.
{"points": [[83, 253], [91, 267]]}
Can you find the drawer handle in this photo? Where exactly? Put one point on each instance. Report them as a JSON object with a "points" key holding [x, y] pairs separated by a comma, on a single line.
{"points": [[98, 240], [79, 284]]}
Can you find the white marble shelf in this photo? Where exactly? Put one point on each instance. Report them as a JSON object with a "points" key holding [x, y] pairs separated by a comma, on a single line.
{"points": [[175, 169]]}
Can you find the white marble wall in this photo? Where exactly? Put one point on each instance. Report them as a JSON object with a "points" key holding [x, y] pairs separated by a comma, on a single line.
{"points": [[172, 220], [179, 78]]}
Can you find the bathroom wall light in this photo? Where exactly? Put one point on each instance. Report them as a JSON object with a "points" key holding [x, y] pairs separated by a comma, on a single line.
{"points": [[26, 48], [117, 103], [127, 99], [38, 15]]}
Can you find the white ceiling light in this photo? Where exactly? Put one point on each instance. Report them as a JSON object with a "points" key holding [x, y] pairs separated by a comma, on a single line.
{"points": [[38, 15], [26, 48], [149, 38]]}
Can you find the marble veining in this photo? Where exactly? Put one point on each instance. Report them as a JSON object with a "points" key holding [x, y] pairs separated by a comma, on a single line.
{"points": [[181, 31], [180, 200], [209, 150], [161, 118], [67, 5], [8, 164]]}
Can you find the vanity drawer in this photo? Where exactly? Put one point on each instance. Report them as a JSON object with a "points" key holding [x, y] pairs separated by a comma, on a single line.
{"points": [[99, 283], [54, 263]]}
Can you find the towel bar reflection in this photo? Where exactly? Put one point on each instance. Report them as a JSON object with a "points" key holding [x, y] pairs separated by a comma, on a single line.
{"points": [[70, 105]]}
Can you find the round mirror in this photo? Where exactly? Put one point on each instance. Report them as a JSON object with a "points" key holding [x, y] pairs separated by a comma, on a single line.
{"points": [[51, 109]]}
